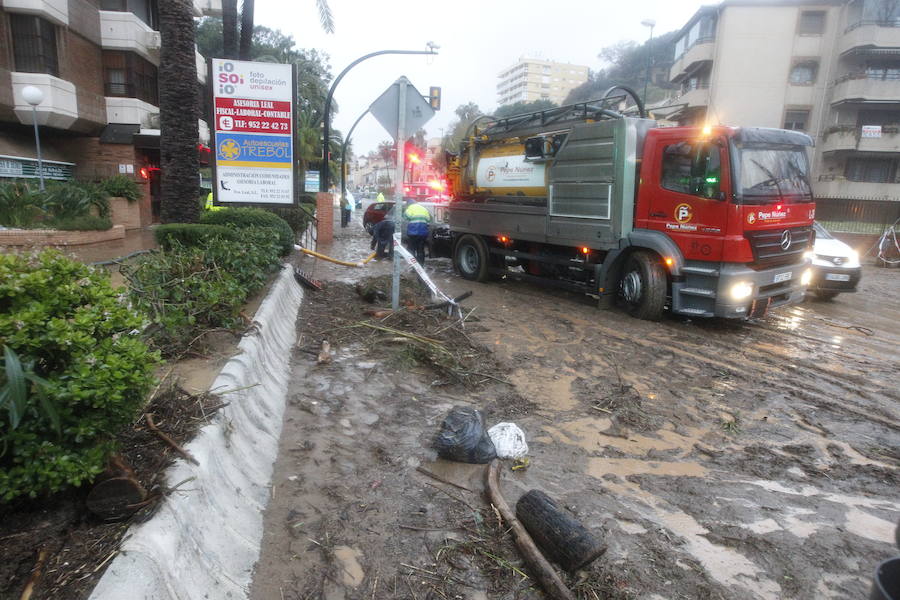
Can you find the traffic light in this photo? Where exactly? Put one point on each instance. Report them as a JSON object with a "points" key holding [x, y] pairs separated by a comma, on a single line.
{"points": [[434, 97]]}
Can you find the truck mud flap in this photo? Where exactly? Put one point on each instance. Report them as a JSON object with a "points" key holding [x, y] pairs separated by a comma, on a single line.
{"points": [[759, 308]]}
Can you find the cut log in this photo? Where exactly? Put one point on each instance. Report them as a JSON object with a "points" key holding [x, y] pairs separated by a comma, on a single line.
{"points": [[537, 564], [562, 538], [116, 498]]}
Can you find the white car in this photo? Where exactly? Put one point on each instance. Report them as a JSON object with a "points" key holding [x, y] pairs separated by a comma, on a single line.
{"points": [[835, 266]]}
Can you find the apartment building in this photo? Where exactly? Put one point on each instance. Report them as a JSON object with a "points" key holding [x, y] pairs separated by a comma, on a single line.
{"points": [[533, 79], [96, 61], [829, 68]]}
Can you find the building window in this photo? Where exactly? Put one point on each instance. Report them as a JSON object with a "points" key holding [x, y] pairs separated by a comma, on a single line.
{"points": [[127, 75], [871, 170], [34, 44], [692, 169], [884, 70], [797, 120], [145, 10], [804, 73], [812, 22]]}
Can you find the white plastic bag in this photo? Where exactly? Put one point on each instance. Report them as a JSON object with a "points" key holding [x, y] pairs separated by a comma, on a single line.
{"points": [[509, 440]]}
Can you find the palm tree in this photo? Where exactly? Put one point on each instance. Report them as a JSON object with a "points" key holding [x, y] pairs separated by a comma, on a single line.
{"points": [[229, 28], [178, 113]]}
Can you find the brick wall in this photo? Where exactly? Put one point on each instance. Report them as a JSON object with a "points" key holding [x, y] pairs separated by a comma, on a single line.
{"points": [[81, 62], [325, 217], [52, 237], [95, 160]]}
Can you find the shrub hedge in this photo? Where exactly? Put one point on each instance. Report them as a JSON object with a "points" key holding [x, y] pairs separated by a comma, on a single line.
{"points": [[253, 217], [176, 235], [67, 324]]}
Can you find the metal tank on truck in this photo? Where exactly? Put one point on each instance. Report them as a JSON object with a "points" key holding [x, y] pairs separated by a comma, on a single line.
{"points": [[711, 221]]}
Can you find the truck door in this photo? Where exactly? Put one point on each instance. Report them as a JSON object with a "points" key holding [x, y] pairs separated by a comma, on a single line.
{"points": [[685, 195]]}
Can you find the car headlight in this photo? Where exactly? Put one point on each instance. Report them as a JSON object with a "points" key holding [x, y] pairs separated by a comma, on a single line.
{"points": [[741, 290], [852, 259], [806, 278]]}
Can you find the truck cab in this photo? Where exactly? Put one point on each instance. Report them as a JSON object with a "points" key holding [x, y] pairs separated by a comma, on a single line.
{"points": [[738, 204]]}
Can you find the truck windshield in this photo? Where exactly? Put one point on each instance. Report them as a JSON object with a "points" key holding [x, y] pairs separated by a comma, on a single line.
{"points": [[767, 173]]}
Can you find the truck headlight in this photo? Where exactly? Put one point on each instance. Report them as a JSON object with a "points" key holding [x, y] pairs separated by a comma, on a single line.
{"points": [[741, 290], [806, 278]]}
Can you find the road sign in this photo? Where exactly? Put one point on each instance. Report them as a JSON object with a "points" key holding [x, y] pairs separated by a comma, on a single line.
{"points": [[253, 104], [386, 108]]}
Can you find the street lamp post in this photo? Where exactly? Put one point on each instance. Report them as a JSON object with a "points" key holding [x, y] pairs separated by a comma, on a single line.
{"points": [[35, 96], [344, 154], [323, 180], [651, 24]]}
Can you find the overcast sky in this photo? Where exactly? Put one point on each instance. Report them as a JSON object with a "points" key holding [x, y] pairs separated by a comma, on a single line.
{"points": [[477, 40]]}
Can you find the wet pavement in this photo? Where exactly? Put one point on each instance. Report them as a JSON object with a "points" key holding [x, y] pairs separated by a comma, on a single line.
{"points": [[717, 459]]}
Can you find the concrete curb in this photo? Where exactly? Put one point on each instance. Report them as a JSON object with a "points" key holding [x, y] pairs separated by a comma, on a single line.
{"points": [[203, 542]]}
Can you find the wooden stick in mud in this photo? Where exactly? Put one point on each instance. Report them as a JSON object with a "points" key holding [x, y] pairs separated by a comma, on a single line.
{"points": [[172, 443], [35, 575], [537, 564]]}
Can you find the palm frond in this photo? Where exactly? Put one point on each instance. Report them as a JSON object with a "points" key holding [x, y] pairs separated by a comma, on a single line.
{"points": [[325, 16]]}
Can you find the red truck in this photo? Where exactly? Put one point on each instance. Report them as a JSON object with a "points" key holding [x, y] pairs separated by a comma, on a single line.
{"points": [[711, 221]]}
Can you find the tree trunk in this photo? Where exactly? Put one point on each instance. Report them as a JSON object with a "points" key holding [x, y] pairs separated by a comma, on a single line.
{"points": [[178, 113], [246, 29], [230, 28], [560, 536]]}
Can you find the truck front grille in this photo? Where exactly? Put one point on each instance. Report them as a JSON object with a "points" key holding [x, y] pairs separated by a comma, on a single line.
{"points": [[778, 247]]}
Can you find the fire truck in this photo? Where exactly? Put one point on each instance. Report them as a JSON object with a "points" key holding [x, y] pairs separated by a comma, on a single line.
{"points": [[703, 221]]}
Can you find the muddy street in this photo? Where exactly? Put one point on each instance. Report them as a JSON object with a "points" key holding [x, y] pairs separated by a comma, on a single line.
{"points": [[716, 459]]}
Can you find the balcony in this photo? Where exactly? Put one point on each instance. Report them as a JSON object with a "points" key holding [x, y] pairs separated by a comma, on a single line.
{"points": [[125, 31], [696, 97], [840, 187], [849, 138], [130, 111], [859, 87], [693, 58], [56, 11], [60, 106], [869, 34]]}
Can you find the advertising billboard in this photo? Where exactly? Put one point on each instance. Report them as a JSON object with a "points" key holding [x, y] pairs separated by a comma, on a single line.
{"points": [[253, 123]]}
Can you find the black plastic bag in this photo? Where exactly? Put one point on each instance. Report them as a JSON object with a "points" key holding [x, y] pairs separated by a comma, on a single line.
{"points": [[463, 437]]}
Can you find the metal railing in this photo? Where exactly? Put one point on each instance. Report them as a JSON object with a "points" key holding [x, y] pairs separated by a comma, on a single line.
{"points": [[875, 22]]}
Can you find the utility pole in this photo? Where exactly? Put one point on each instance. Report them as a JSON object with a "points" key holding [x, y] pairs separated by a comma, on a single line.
{"points": [[398, 191]]}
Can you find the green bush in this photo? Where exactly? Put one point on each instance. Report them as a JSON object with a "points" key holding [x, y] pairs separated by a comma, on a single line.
{"points": [[297, 217], [83, 223], [21, 204], [189, 234], [121, 186], [66, 200], [66, 325], [253, 217], [189, 289]]}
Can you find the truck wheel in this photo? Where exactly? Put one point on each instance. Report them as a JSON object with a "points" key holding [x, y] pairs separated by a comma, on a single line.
{"points": [[470, 258], [643, 286]]}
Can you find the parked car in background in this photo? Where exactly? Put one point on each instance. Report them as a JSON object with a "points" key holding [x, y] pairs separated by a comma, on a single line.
{"points": [[835, 265]]}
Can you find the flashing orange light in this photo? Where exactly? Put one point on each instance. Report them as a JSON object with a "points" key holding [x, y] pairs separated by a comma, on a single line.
{"points": [[414, 158], [145, 173], [669, 262], [503, 239], [435, 184], [706, 131], [406, 189], [777, 207], [585, 250]]}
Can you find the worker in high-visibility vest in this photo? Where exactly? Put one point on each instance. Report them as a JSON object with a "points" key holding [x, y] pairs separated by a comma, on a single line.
{"points": [[417, 219], [209, 203]]}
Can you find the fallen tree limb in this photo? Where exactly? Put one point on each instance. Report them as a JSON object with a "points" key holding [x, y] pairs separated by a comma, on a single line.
{"points": [[171, 443], [35, 574], [537, 564]]}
